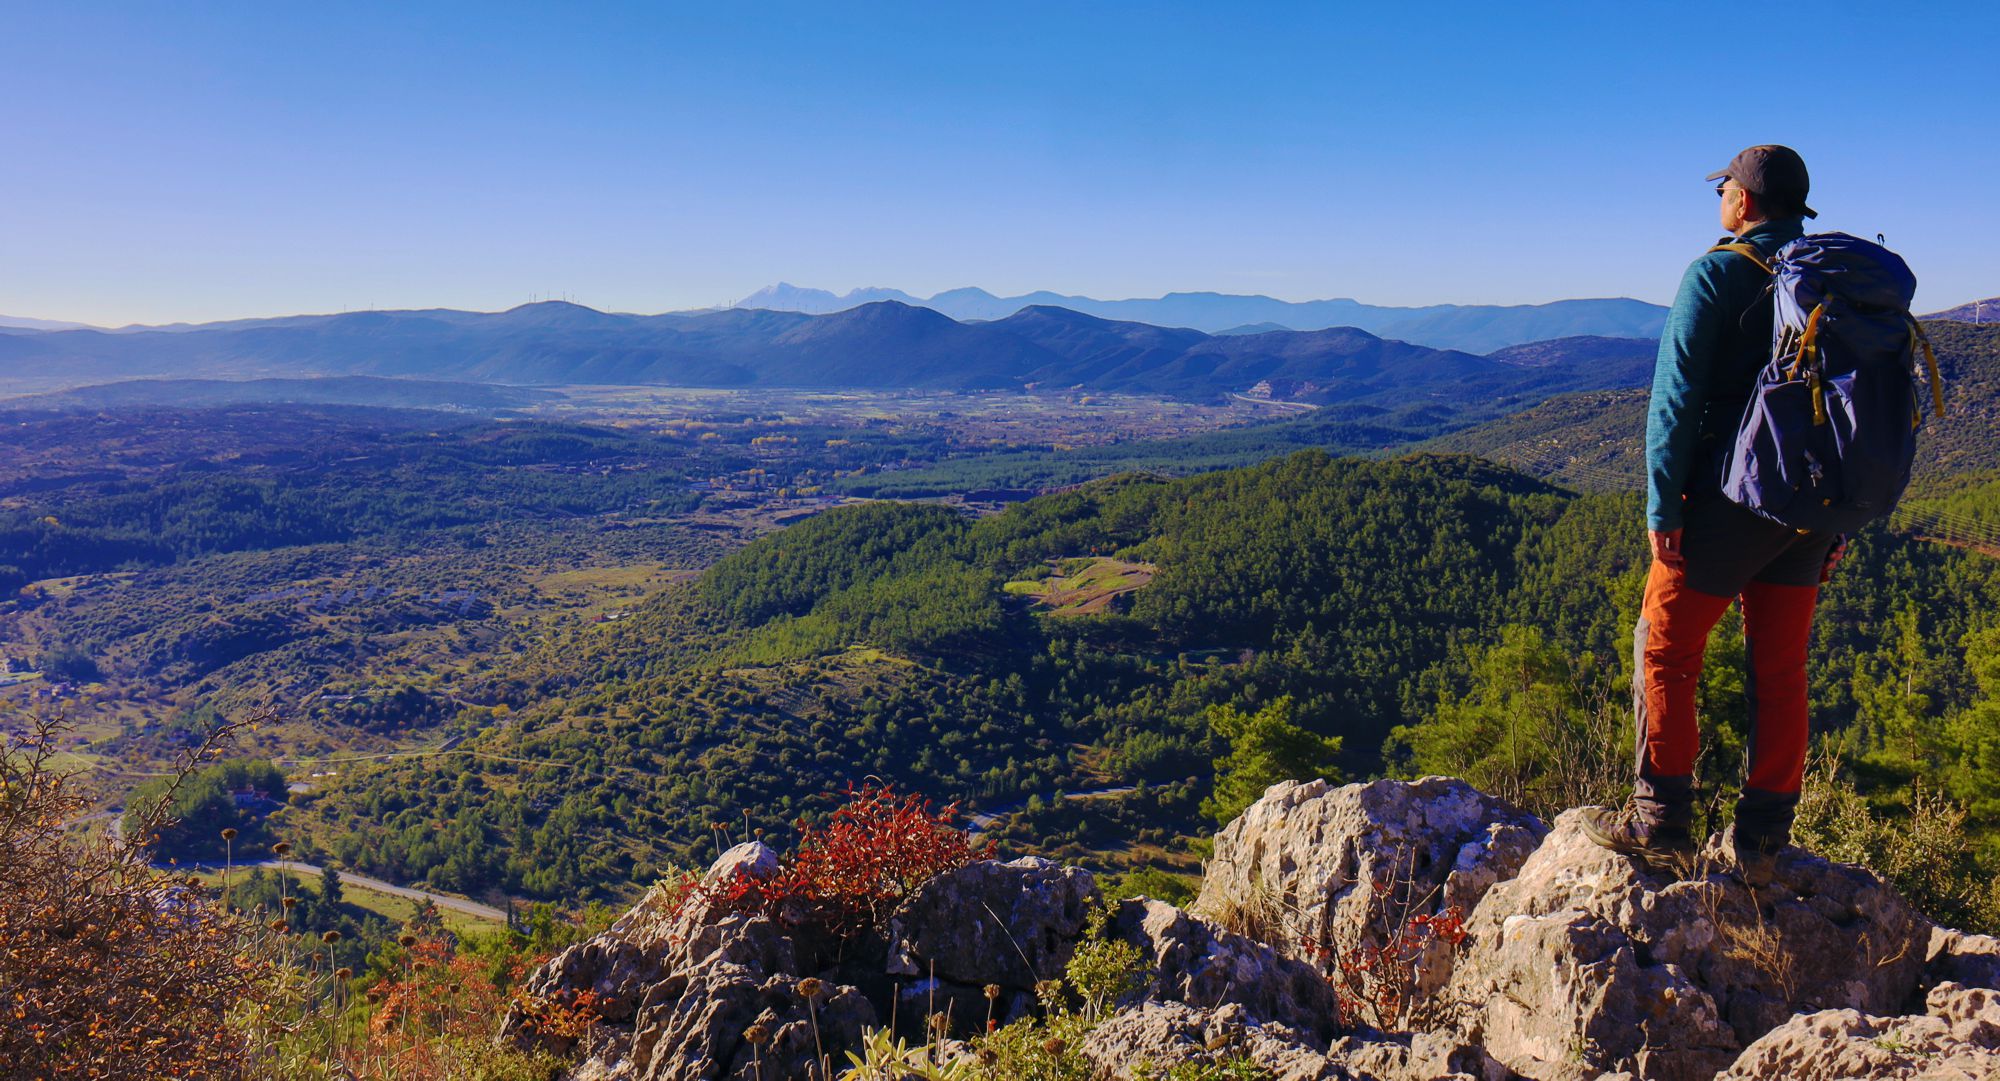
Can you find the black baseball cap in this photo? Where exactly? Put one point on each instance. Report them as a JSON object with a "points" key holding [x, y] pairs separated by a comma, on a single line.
{"points": [[1771, 170]]}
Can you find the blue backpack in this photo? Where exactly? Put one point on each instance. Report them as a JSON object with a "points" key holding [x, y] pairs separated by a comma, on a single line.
{"points": [[1830, 431]]}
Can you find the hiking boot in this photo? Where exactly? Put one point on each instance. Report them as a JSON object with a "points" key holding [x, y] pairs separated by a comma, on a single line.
{"points": [[1658, 848], [1756, 858]]}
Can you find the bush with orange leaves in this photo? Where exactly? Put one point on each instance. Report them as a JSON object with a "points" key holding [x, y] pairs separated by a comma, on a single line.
{"points": [[436, 1019], [108, 968]]}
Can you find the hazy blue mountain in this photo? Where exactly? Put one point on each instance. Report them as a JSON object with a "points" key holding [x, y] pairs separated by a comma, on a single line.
{"points": [[1482, 328], [16, 322], [1474, 328], [1086, 350], [884, 344], [1254, 328], [786, 297]]}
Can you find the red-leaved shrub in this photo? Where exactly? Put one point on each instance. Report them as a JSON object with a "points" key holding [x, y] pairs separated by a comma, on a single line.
{"points": [[849, 872]]}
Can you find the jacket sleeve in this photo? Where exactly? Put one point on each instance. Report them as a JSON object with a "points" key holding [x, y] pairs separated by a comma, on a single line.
{"points": [[1681, 377]]}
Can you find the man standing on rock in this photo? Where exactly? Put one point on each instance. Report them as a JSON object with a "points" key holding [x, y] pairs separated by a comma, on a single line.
{"points": [[1707, 551]]}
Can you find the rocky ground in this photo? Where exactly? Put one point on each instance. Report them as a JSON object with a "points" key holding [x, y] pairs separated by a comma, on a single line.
{"points": [[1391, 931]]}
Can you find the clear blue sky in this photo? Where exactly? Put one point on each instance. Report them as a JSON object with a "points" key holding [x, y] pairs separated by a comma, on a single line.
{"points": [[198, 161]]}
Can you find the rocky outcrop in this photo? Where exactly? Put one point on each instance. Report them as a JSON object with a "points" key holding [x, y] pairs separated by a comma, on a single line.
{"points": [[1570, 962], [1159, 1035], [1012, 923], [1956, 1039], [1322, 872], [1956, 957], [1583, 965], [1196, 963], [680, 987], [1009, 924]]}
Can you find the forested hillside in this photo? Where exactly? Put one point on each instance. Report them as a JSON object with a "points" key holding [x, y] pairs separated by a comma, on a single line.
{"points": [[1296, 603], [1596, 440]]}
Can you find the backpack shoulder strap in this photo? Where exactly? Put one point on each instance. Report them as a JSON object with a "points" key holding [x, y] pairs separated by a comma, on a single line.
{"points": [[1748, 251]]}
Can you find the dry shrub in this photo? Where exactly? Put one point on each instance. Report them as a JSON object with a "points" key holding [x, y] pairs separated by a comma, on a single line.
{"points": [[108, 968], [437, 1021], [1928, 853]]}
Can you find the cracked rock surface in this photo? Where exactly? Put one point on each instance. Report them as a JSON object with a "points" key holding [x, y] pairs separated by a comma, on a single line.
{"points": [[1583, 964]]}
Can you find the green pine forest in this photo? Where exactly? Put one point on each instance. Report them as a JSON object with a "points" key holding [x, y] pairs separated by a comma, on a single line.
{"points": [[1343, 616]]}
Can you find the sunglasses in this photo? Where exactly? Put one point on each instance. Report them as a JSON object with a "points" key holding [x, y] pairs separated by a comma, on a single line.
{"points": [[1723, 189]]}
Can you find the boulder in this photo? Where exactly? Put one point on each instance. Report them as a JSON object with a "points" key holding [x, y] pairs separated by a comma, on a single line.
{"points": [[1156, 1036], [1324, 872], [651, 940], [701, 1028], [1956, 1039], [680, 983], [1197, 963], [1421, 1056], [1957, 957], [1582, 964], [1012, 924]]}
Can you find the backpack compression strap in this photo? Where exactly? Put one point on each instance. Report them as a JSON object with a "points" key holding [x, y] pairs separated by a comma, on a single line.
{"points": [[1807, 342], [1930, 364], [1747, 251]]}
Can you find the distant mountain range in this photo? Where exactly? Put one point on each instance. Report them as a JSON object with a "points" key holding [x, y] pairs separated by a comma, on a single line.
{"points": [[1476, 328], [882, 344], [15, 322]]}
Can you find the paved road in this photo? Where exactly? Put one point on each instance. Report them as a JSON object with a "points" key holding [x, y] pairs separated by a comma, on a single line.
{"points": [[456, 904], [1307, 406]]}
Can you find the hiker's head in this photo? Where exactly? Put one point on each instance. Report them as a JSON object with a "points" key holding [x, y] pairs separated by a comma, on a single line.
{"points": [[1763, 183]]}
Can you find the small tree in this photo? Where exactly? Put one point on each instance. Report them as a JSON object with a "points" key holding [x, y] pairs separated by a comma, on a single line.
{"points": [[329, 887], [1525, 721], [1265, 747]]}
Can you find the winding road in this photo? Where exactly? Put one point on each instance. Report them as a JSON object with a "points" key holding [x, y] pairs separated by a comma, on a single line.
{"points": [[456, 904], [1307, 406]]}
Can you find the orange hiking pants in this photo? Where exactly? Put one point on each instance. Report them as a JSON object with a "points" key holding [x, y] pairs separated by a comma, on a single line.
{"points": [[1774, 571]]}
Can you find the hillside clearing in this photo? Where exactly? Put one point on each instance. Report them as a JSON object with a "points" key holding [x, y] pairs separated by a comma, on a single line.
{"points": [[1085, 586]]}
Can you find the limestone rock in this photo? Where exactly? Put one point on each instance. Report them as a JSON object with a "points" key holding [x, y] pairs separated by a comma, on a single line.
{"points": [[652, 939], [1422, 1056], [1958, 1039], [678, 985], [1202, 965], [1956, 957], [699, 1029], [1012, 923], [1582, 964], [1322, 872], [1160, 1035]]}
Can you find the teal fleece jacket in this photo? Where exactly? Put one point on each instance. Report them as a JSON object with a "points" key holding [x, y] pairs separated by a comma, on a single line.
{"points": [[1717, 337]]}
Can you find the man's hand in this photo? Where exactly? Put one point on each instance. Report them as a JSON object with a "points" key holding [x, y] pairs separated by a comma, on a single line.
{"points": [[1667, 547], [1833, 555]]}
